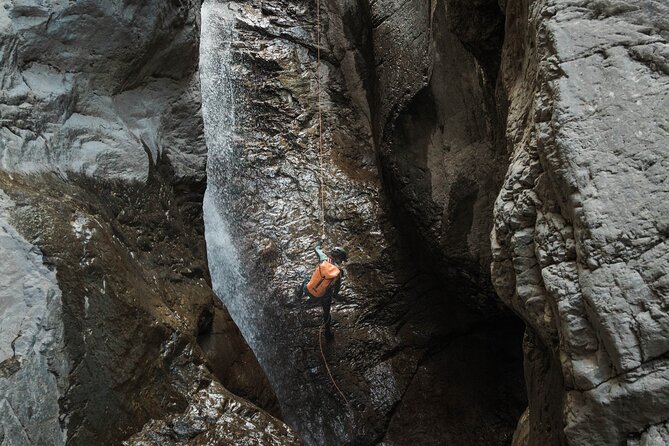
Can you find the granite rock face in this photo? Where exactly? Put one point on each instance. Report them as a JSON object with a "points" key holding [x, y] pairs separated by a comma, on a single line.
{"points": [[100, 88], [580, 235]]}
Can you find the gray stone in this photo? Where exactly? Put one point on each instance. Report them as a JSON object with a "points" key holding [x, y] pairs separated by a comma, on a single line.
{"points": [[100, 88], [214, 417], [33, 361], [587, 132], [656, 435], [398, 375], [439, 137], [138, 346], [97, 91]]}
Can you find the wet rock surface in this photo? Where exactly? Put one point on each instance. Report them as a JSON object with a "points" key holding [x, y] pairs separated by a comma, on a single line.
{"points": [[111, 332], [580, 240], [215, 417], [134, 322], [399, 329], [108, 317]]}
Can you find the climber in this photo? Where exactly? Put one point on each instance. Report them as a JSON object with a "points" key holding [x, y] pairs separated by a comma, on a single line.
{"points": [[324, 284]]}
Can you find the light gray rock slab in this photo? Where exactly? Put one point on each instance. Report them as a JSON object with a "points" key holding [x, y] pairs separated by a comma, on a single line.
{"points": [[33, 363], [100, 88], [594, 95]]}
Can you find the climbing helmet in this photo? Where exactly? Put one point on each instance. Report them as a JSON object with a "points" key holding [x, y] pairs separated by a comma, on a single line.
{"points": [[339, 253]]}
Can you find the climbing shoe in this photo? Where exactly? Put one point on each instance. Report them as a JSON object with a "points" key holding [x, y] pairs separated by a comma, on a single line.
{"points": [[329, 335]]}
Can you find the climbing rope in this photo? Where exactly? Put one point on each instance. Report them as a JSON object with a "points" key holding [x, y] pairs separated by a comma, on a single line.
{"points": [[327, 367], [320, 117], [322, 178]]}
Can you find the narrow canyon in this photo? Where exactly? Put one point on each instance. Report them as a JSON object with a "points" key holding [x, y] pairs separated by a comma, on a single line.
{"points": [[495, 169]]}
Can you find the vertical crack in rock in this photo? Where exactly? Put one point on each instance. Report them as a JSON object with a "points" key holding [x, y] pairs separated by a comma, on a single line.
{"points": [[440, 138], [390, 356]]}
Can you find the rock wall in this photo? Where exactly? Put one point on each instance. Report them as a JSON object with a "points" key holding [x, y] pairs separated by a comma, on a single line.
{"points": [[111, 330], [101, 88], [33, 371], [580, 234], [439, 132], [407, 354], [110, 325]]}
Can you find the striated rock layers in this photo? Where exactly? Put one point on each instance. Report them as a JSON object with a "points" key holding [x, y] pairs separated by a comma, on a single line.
{"points": [[581, 223], [108, 319]]}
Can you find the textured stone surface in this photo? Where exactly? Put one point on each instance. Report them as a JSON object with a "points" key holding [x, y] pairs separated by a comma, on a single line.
{"points": [[108, 317], [141, 329], [101, 88], [439, 132], [580, 237], [655, 435], [398, 330], [33, 363], [113, 319], [215, 417]]}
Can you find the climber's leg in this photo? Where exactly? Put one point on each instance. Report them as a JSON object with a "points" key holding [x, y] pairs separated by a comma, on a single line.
{"points": [[327, 317]]}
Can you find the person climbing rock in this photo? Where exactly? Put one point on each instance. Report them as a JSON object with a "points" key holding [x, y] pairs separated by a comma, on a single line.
{"points": [[324, 284]]}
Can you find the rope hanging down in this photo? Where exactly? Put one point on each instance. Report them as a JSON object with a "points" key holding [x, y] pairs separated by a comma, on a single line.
{"points": [[322, 176], [320, 117], [327, 367]]}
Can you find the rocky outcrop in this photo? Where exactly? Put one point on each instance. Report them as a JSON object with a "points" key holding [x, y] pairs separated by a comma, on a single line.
{"points": [[440, 132], [407, 353], [33, 368], [214, 417], [101, 88], [138, 332], [110, 326], [580, 235]]}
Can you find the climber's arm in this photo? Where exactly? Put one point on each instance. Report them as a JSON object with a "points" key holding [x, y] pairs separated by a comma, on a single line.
{"points": [[319, 252]]}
